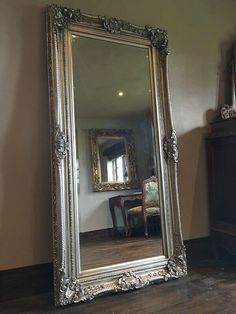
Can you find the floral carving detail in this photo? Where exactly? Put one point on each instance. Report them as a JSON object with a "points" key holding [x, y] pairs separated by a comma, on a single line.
{"points": [[63, 16], [157, 36], [228, 112], [177, 265], [159, 39], [73, 292], [170, 146], [113, 25], [131, 281], [61, 145]]}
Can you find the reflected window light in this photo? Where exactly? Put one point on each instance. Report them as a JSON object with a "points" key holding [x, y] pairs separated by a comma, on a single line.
{"points": [[117, 169]]}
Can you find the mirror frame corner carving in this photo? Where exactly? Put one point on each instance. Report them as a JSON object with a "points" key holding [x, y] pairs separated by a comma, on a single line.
{"points": [[70, 284]]}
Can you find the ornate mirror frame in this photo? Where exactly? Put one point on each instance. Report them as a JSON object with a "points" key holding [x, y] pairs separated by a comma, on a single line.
{"points": [[71, 284], [98, 185]]}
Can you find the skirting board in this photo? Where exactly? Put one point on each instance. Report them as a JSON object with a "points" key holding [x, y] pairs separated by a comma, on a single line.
{"points": [[32, 280], [26, 281], [200, 247]]}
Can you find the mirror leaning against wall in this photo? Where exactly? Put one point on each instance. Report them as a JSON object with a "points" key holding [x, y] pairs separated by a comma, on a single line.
{"points": [[114, 157]]}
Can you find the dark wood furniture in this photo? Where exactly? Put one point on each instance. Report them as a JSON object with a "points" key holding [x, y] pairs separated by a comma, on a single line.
{"points": [[123, 202], [221, 150]]}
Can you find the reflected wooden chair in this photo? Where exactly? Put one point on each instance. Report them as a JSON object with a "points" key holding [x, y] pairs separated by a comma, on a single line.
{"points": [[150, 204]]}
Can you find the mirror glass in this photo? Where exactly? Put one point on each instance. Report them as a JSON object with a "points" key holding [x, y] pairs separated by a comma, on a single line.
{"points": [[113, 159], [113, 91]]}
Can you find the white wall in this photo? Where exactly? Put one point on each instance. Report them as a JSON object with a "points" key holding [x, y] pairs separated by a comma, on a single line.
{"points": [[200, 34]]}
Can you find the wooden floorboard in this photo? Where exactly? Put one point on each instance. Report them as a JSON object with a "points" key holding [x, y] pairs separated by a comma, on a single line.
{"points": [[108, 251], [210, 287]]}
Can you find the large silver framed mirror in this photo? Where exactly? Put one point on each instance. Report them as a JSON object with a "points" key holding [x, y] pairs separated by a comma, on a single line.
{"points": [[116, 222]]}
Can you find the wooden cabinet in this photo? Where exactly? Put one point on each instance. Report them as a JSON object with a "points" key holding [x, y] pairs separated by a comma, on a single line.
{"points": [[221, 152]]}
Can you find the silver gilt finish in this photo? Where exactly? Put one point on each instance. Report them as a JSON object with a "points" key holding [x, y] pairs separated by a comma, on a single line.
{"points": [[72, 284]]}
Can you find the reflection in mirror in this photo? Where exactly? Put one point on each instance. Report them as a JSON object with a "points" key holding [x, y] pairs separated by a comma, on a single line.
{"points": [[112, 91], [113, 159]]}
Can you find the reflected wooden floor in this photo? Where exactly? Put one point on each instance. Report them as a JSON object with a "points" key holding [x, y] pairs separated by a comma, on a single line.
{"points": [[98, 252]]}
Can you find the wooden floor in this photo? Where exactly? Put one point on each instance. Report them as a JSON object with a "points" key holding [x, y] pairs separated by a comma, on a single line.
{"points": [[98, 252], [210, 287]]}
